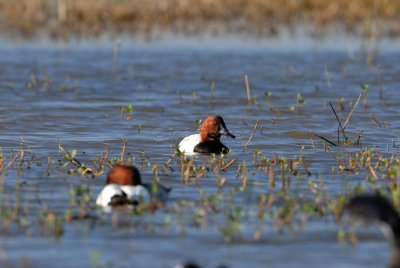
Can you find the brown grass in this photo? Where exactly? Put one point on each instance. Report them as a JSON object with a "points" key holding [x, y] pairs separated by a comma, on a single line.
{"points": [[90, 18]]}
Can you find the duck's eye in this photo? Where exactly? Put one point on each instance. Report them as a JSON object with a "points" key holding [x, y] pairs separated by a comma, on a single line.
{"points": [[214, 135]]}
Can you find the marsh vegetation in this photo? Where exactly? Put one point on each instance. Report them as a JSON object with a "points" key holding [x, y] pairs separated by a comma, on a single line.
{"points": [[311, 132], [64, 19]]}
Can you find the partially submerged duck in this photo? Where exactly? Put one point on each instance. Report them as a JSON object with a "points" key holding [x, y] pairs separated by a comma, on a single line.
{"points": [[208, 139], [194, 265], [124, 187], [377, 208]]}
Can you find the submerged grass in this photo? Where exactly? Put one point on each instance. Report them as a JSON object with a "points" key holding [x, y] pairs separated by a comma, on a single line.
{"points": [[253, 196], [228, 209], [286, 194], [66, 18]]}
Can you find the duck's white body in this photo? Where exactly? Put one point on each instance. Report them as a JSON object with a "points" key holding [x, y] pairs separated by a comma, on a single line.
{"points": [[134, 193], [187, 145]]}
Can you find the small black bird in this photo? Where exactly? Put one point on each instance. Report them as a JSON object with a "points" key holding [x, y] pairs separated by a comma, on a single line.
{"points": [[377, 208]]}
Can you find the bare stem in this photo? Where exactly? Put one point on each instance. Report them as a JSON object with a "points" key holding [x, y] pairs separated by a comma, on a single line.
{"points": [[246, 80], [338, 119], [325, 139], [352, 110], [251, 136], [123, 151]]}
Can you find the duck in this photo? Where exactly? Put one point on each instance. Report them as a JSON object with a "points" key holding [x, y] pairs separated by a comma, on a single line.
{"points": [[187, 265], [124, 187], [372, 207], [207, 141], [194, 265]]}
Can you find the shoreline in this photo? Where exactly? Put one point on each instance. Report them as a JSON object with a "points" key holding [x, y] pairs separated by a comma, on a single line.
{"points": [[282, 43], [69, 19]]}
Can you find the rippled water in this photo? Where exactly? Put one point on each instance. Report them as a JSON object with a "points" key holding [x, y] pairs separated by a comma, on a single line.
{"points": [[75, 94]]}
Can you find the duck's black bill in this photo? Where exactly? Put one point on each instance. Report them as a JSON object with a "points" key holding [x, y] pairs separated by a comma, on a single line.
{"points": [[227, 133]]}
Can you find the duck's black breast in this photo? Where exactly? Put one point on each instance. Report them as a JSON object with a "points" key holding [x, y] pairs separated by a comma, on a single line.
{"points": [[119, 200], [211, 147], [122, 200]]}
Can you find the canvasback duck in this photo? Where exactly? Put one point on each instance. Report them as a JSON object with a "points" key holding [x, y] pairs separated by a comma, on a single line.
{"points": [[124, 187], [208, 139], [377, 208]]}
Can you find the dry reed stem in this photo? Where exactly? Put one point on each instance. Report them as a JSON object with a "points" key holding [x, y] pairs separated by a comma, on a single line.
{"points": [[93, 17], [230, 163], [74, 160], [352, 110], [18, 154], [271, 176], [338, 119], [325, 139], [373, 172], [375, 120], [251, 136], [123, 151], [246, 80]]}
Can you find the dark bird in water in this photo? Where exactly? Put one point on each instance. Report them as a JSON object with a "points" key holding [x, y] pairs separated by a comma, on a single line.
{"points": [[377, 208], [194, 265]]}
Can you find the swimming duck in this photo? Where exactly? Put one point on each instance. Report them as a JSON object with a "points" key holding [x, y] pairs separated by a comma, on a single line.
{"points": [[208, 139], [378, 208], [194, 265], [124, 187]]}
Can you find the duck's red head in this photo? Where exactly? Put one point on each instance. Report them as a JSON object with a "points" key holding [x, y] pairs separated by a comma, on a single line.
{"points": [[124, 175], [212, 129]]}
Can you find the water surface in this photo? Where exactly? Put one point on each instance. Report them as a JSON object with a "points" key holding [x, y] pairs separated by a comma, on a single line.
{"points": [[74, 94]]}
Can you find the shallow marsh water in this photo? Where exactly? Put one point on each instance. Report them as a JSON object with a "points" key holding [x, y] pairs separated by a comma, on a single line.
{"points": [[75, 94]]}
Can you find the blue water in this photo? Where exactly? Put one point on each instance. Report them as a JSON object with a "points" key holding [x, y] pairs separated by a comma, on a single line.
{"points": [[73, 93]]}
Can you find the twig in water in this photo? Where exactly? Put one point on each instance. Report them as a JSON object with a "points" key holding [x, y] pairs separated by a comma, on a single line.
{"points": [[271, 175], [328, 80], [312, 142], [123, 151], [74, 160], [251, 136], [340, 123], [373, 172], [138, 128], [352, 110], [328, 141], [376, 120], [357, 143], [18, 154], [246, 80], [230, 163], [166, 164], [103, 161]]}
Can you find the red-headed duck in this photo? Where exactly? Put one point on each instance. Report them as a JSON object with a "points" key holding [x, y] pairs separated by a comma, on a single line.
{"points": [[208, 139], [124, 187]]}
